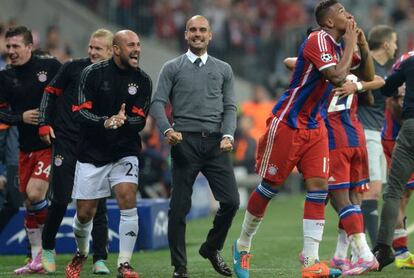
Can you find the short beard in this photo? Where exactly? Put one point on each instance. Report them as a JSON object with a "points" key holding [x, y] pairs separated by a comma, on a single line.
{"points": [[125, 63]]}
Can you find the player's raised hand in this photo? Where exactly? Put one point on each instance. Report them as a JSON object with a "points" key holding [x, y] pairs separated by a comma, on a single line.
{"points": [[31, 116], [117, 120], [351, 34], [121, 113], [362, 40]]}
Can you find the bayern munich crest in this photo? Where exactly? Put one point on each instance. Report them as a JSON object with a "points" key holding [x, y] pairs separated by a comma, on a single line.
{"points": [[42, 76], [272, 170], [132, 88], [58, 160]]}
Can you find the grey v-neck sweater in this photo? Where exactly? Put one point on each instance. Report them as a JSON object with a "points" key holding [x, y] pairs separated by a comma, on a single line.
{"points": [[202, 98]]}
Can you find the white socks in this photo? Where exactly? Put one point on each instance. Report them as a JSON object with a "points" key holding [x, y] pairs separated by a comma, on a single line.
{"points": [[128, 233], [342, 245], [312, 236], [35, 239], [82, 234], [250, 226], [360, 246]]}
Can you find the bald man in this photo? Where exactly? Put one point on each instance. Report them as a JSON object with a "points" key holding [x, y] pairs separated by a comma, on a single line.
{"points": [[113, 102], [200, 88]]}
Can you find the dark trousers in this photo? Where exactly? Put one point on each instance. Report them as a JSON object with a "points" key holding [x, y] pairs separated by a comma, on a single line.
{"points": [[402, 166], [194, 154], [63, 170]]}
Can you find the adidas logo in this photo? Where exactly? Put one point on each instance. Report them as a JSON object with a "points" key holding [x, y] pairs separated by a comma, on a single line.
{"points": [[331, 179], [131, 233]]}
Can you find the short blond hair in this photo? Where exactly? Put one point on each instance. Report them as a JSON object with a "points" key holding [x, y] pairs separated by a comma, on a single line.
{"points": [[104, 33]]}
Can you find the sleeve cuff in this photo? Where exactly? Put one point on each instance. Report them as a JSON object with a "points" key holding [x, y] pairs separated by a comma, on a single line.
{"points": [[168, 129], [228, 136], [44, 130]]}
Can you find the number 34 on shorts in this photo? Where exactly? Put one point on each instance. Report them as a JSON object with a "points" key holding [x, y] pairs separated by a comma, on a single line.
{"points": [[42, 169]]}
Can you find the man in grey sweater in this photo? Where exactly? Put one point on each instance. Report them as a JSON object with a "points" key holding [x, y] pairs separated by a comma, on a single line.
{"points": [[200, 90]]}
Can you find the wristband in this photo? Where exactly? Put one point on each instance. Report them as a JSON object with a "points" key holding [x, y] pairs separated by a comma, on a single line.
{"points": [[360, 88]]}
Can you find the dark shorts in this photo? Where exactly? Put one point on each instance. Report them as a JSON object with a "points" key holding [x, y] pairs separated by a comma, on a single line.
{"points": [[63, 171]]}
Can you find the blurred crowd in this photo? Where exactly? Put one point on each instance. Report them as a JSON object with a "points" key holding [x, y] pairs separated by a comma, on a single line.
{"points": [[252, 35]]}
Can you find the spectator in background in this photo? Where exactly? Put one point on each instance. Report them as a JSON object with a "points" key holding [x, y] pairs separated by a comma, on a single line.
{"points": [[54, 47], [399, 13], [154, 173], [124, 13], [217, 11], [3, 56], [245, 145], [12, 199], [258, 108]]}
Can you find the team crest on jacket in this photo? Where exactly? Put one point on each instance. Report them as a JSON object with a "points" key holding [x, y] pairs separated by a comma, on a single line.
{"points": [[132, 88], [42, 76], [326, 57], [272, 169], [58, 160]]}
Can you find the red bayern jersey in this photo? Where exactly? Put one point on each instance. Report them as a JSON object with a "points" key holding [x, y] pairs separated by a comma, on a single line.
{"points": [[301, 104], [391, 126], [342, 123]]}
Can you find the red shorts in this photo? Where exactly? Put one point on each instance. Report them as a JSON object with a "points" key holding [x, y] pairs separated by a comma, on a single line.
{"points": [[282, 148], [388, 146], [34, 165], [348, 169]]}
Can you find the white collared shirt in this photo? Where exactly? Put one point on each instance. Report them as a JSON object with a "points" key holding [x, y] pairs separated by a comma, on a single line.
{"points": [[193, 57]]}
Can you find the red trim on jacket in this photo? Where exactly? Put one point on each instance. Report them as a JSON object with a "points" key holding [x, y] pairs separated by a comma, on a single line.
{"points": [[53, 90], [85, 105], [138, 111]]}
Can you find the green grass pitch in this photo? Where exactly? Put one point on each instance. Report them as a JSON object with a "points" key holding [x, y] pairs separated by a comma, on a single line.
{"points": [[275, 247]]}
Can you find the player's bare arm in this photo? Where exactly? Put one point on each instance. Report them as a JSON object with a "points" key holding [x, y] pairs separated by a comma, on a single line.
{"points": [[351, 87]]}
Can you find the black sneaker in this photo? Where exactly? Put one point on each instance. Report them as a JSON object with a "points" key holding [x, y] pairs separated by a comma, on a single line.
{"points": [[180, 272], [216, 260], [384, 255]]}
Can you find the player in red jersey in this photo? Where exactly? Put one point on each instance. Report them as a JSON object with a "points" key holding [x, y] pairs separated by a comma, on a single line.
{"points": [[297, 136], [348, 172], [348, 175]]}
